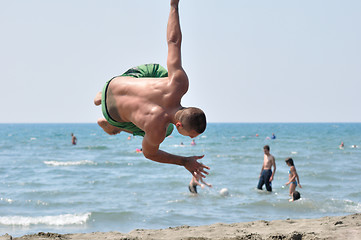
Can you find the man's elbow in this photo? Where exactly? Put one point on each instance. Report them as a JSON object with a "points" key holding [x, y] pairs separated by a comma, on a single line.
{"points": [[150, 155], [174, 39], [147, 155]]}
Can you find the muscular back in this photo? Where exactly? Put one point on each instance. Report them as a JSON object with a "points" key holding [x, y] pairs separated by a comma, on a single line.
{"points": [[147, 102]]}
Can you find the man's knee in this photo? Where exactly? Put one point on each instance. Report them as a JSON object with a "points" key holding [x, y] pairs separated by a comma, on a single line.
{"points": [[98, 99], [101, 121]]}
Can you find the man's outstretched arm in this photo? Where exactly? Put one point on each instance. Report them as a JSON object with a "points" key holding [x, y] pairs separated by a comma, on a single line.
{"points": [[152, 152]]}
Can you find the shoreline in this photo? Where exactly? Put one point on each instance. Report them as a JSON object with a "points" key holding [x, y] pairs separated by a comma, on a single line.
{"points": [[336, 227]]}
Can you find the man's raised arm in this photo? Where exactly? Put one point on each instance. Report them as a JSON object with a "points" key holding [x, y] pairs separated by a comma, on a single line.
{"points": [[174, 40]]}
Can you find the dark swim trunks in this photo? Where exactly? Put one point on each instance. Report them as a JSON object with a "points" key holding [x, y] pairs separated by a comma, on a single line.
{"points": [[192, 188], [264, 179], [143, 71]]}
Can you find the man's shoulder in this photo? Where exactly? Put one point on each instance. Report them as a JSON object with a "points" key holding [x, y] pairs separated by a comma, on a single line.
{"points": [[156, 129], [179, 80]]}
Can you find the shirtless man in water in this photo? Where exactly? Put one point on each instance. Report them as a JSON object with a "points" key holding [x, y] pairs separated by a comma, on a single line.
{"points": [[146, 101], [266, 175]]}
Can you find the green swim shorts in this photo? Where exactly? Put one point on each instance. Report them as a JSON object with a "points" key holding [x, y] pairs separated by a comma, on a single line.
{"points": [[143, 71]]}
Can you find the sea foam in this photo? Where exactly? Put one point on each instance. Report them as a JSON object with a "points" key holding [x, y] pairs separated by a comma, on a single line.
{"points": [[58, 220], [70, 163]]}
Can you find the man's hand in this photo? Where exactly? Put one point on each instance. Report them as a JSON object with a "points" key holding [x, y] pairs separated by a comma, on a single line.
{"points": [[174, 2], [195, 167], [271, 179]]}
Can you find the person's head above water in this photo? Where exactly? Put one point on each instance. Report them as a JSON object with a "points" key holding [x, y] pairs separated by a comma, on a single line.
{"points": [[191, 121], [296, 195]]}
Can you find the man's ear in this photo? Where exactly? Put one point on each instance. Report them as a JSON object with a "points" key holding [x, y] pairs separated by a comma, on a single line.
{"points": [[178, 124]]}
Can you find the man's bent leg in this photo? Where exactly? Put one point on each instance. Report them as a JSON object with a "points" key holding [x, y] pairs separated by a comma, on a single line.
{"points": [[98, 99], [107, 127]]}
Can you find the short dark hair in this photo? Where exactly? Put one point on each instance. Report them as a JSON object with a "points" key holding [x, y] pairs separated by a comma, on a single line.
{"points": [[290, 161], [296, 195], [193, 119], [266, 147]]}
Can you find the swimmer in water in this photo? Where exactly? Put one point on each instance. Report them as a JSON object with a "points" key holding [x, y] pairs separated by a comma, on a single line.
{"points": [[195, 182], [73, 139], [293, 179], [295, 196], [266, 175]]}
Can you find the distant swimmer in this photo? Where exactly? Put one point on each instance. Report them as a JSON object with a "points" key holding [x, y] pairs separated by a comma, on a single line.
{"points": [[195, 182], [193, 142], [146, 101], [273, 136], [342, 145], [138, 150], [293, 179], [266, 176], [73, 139]]}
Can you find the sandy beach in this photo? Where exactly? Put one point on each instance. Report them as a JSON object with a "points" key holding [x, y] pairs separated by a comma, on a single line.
{"points": [[340, 227]]}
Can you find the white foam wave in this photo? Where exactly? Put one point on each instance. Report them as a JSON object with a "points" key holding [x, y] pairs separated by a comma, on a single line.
{"points": [[59, 220], [71, 163]]}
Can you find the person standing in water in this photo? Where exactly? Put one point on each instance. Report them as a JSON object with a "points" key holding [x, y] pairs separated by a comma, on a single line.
{"points": [[293, 179], [73, 139], [266, 176], [195, 182]]}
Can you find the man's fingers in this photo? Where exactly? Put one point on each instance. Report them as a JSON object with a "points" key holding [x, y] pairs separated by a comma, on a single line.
{"points": [[200, 174], [204, 166]]}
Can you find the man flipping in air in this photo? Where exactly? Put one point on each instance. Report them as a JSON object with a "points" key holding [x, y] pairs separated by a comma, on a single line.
{"points": [[146, 101]]}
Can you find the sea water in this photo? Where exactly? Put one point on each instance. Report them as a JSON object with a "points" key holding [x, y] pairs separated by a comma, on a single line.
{"points": [[102, 183]]}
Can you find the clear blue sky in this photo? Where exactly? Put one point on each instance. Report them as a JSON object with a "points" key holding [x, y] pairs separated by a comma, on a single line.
{"points": [[247, 61]]}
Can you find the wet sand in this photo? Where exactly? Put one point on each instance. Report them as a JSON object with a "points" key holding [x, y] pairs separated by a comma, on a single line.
{"points": [[342, 227]]}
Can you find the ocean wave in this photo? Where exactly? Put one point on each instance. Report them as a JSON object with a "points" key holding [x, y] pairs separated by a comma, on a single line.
{"points": [[95, 147], [59, 220], [70, 163]]}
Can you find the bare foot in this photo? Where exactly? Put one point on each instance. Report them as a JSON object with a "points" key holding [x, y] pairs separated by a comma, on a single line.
{"points": [[98, 99], [111, 130]]}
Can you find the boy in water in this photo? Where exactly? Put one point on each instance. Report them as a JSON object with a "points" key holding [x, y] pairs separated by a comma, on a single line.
{"points": [[266, 176]]}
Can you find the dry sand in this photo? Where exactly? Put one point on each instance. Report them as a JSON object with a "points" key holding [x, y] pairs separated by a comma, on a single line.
{"points": [[344, 227]]}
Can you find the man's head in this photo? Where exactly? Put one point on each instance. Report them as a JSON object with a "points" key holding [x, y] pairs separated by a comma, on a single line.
{"points": [[191, 122], [266, 149]]}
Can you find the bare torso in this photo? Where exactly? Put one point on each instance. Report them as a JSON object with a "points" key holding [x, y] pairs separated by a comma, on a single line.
{"points": [[267, 161], [291, 173], [146, 102]]}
